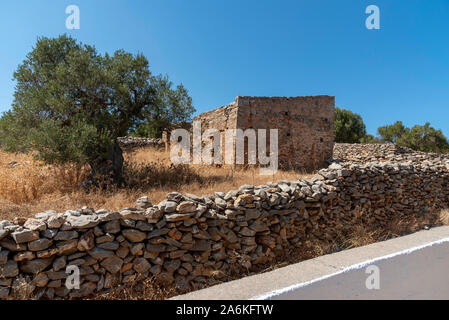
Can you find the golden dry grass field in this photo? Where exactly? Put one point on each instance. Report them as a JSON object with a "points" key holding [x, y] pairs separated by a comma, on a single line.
{"points": [[28, 187]]}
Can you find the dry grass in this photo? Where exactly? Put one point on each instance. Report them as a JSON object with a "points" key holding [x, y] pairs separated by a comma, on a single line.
{"points": [[146, 289], [357, 235], [443, 217], [362, 234], [28, 187]]}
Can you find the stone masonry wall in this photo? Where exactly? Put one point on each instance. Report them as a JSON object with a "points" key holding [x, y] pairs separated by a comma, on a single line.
{"points": [[382, 152], [193, 242], [221, 118], [305, 125]]}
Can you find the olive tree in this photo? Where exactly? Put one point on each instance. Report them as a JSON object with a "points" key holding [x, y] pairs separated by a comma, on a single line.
{"points": [[71, 103]]}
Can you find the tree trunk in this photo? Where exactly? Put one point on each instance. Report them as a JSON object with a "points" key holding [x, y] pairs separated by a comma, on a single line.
{"points": [[107, 171]]}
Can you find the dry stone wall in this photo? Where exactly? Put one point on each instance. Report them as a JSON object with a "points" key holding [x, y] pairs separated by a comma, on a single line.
{"points": [[192, 242], [382, 152], [137, 142]]}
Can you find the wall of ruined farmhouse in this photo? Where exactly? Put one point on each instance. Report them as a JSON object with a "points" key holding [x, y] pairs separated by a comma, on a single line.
{"points": [[305, 124], [192, 242], [305, 128], [221, 118]]}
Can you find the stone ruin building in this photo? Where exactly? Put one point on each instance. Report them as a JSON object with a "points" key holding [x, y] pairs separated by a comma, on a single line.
{"points": [[305, 124]]}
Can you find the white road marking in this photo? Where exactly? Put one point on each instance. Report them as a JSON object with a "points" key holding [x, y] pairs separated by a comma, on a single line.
{"points": [[352, 267]]}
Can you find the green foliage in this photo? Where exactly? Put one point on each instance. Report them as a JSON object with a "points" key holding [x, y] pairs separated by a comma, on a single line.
{"points": [[421, 138], [427, 139], [170, 108], [393, 133], [348, 127], [369, 138], [71, 103]]}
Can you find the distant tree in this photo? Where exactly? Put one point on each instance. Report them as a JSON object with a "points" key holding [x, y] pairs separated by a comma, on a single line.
{"points": [[421, 138], [348, 127], [393, 133], [71, 103], [426, 139], [369, 138], [170, 108]]}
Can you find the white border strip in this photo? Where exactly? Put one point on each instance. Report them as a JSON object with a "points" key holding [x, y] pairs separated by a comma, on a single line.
{"points": [[352, 267]]}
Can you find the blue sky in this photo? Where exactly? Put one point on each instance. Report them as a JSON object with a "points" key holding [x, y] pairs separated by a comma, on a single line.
{"points": [[220, 49]]}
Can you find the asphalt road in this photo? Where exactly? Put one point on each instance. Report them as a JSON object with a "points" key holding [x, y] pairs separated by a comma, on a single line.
{"points": [[422, 274], [415, 266]]}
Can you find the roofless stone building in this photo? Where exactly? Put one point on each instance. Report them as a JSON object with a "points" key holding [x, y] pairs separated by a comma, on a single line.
{"points": [[305, 125]]}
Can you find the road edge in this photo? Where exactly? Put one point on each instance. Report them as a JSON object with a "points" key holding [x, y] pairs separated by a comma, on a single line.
{"points": [[269, 284]]}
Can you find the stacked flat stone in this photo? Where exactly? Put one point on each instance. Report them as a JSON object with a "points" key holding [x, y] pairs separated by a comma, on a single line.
{"points": [[136, 142], [192, 242], [382, 152]]}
